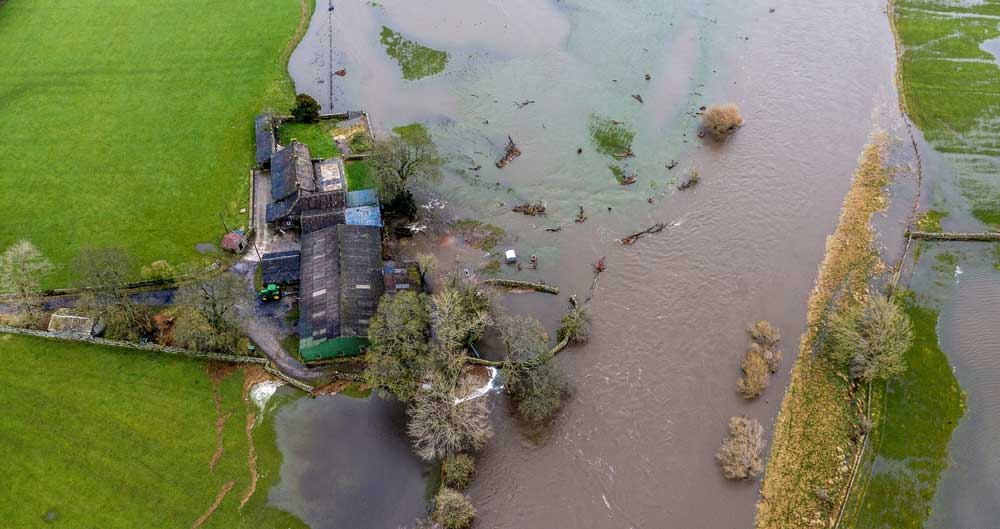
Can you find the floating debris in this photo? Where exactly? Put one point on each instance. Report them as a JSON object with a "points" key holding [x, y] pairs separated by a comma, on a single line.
{"points": [[655, 228], [530, 208], [341, 72], [637, 97], [512, 152], [580, 217], [672, 164], [524, 103]]}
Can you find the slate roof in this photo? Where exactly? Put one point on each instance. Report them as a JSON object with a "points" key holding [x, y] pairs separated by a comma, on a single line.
{"points": [[363, 216], [319, 298], [317, 219], [361, 284], [291, 170], [280, 268], [364, 197], [264, 128]]}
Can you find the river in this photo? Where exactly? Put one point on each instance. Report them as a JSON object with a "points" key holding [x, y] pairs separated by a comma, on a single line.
{"points": [[655, 386]]}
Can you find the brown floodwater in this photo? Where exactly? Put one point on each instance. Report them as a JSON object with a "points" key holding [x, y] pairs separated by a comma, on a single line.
{"points": [[654, 388]]}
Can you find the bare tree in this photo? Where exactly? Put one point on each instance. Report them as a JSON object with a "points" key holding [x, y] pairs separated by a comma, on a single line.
{"points": [[216, 297], [22, 268], [453, 510], [440, 428], [399, 163], [740, 453], [104, 271], [872, 339]]}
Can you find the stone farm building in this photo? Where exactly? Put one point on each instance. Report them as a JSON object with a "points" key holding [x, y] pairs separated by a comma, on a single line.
{"points": [[305, 189], [340, 286]]}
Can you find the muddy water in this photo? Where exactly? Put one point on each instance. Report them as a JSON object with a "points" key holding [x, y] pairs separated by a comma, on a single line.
{"points": [[967, 493], [347, 463], [655, 387]]}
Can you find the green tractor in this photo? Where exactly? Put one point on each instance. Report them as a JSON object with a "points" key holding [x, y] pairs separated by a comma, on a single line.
{"points": [[271, 292]]}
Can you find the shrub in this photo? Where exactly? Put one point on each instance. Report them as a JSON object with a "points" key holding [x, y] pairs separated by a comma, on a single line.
{"points": [[762, 332], [158, 271], [458, 470], [306, 109], [453, 510], [739, 455], [575, 325], [722, 120], [871, 339], [537, 389], [756, 373]]}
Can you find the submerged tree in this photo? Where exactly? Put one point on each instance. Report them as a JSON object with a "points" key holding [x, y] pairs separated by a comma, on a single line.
{"points": [[574, 326], [452, 509], [722, 120], [755, 373], [740, 453], [871, 339], [439, 427], [535, 383], [22, 268], [399, 333]]}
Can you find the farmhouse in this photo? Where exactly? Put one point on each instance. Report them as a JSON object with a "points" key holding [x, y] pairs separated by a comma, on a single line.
{"points": [[298, 184], [341, 283]]}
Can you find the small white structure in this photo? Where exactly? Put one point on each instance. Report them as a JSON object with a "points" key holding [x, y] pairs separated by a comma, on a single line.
{"points": [[64, 321], [511, 256]]}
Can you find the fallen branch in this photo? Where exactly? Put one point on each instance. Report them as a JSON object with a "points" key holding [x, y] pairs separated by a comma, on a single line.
{"points": [[655, 228], [946, 236], [622, 155], [512, 152], [580, 217], [629, 180], [510, 283], [524, 103]]}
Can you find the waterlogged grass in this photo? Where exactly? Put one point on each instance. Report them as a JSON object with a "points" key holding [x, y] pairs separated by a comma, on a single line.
{"points": [[103, 437], [618, 172], [813, 447], [610, 136], [413, 133], [359, 176], [931, 220], [417, 61], [134, 120], [316, 135], [922, 408], [478, 234]]}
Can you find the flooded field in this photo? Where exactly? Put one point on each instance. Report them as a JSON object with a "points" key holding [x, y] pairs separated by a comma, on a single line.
{"points": [[656, 385]]}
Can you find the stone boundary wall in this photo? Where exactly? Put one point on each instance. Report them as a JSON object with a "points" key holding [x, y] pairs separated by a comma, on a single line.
{"points": [[151, 347]]}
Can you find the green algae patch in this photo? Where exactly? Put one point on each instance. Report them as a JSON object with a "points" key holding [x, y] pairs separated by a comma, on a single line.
{"points": [[910, 444], [611, 137], [416, 61], [316, 135], [413, 133], [618, 172]]}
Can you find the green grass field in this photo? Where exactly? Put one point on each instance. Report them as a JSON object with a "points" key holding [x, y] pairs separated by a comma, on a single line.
{"points": [[922, 407], [316, 135], [130, 123], [103, 437], [359, 176]]}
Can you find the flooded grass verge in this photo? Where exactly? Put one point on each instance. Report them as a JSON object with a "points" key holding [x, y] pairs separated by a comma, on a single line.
{"points": [[814, 443], [417, 61], [93, 423], [909, 447]]}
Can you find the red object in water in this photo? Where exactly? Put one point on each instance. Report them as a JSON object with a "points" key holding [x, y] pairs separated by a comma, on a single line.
{"points": [[342, 72]]}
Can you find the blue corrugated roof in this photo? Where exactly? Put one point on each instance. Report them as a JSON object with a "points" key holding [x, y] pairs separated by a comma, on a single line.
{"points": [[363, 197], [363, 216]]}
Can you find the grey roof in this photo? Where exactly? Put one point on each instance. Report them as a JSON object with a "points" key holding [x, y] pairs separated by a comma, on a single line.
{"points": [[330, 174], [280, 209], [281, 268], [363, 197], [361, 284], [318, 219], [291, 170], [264, 127], [319, 298]]}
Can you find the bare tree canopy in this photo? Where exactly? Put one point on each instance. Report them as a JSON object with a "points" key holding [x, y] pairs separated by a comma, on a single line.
{"points": [[440, 428], [216, 297], [872, 339], [106, 272], [399, 163], [740, 453], [22, 268]]}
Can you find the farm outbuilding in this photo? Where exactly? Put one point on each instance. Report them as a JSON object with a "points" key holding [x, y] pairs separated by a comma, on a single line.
{"points": [[264, 129], [65, 321], [341, 283], [234, 241], [280, 268]]}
